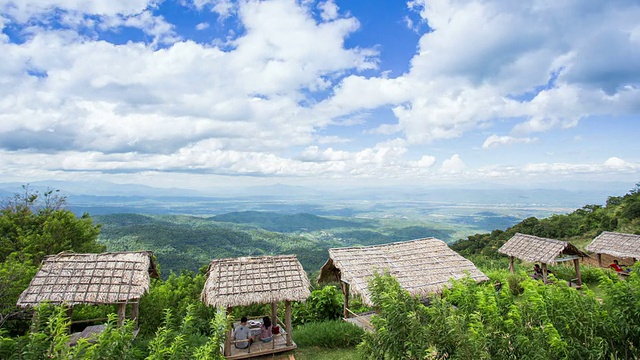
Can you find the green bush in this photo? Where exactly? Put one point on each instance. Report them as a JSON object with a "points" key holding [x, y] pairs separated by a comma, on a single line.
{"points": [[328, 334]]}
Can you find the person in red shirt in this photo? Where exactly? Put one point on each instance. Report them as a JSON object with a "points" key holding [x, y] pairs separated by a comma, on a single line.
{"points": [[616, 266]]}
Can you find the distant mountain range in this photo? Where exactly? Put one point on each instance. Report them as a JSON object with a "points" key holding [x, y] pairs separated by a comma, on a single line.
{"points": [[101, 197]]}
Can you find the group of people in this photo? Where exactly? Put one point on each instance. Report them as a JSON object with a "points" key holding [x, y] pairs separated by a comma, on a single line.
{"points": [[243, 332]]}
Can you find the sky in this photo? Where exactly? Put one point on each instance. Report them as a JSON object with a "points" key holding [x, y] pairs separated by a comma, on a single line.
{"points": [[204, 93]]}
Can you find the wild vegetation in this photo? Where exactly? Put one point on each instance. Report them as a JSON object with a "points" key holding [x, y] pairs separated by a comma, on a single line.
{"points": [[511, 316]]}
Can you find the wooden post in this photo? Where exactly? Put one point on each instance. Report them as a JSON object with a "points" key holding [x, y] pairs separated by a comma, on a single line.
{"points": [[135, 310], [512, 267], [274, 313], [345, 294], [227, 341], [122, 307], [576, 264], [544, 273], [287, 316], [599, 256]]}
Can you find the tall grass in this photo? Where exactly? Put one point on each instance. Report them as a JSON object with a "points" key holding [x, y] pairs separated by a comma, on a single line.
{"points": [[327, 334]]}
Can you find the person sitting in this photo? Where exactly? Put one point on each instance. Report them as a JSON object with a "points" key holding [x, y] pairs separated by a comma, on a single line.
{"points": [[265, 330], [616, 266], [537, 272], [242, 332]]}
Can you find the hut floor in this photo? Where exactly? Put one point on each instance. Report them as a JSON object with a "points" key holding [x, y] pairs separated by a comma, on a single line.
{"points": [[362, 320], [91, 333], [258, 348]]}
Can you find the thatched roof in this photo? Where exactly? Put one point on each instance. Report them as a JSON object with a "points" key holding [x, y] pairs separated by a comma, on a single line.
{"points": [[255, 280], [616, 244], [421, 266], [536, 249], [107, 278]]}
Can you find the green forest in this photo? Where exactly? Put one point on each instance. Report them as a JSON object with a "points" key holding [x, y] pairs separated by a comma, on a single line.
{"points": [[509, 317]]}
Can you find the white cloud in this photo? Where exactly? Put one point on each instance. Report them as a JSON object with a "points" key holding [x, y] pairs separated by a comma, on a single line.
{"points": [[453, 165], [97, 96], [329, 10], [22, 11], [202, 26], [494, 141], [529, 63]]}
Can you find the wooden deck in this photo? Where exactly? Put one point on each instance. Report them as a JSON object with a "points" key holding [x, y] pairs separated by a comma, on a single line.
{"points": [[362, 320], [259, 348], [91, 333]]}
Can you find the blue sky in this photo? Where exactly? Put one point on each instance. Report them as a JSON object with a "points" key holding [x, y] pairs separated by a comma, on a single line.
{"points": [[206, 93]]}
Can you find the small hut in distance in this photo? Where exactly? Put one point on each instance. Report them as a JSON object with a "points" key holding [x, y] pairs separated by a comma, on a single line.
{"points": [[545, 251], [109, 278], [422, 267], [624, 246], [257, 280]]}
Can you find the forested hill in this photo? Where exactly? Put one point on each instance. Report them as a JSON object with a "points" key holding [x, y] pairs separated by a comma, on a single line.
{"points": [[188, 242], [621, 214], [287, 222]]}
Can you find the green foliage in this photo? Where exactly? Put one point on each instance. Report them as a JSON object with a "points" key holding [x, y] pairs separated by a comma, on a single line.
{"points": [[476, 321], [33, 225], [178, 293], [620, 214], [328, 334], [173, 342], [323, 304], [399, 331]]}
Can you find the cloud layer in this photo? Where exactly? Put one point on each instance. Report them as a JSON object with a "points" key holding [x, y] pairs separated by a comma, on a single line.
{"points": [[284, 95]]}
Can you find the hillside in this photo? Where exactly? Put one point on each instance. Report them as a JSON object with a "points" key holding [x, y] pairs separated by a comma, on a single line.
{"points": [[188, 242], [621, 214]]}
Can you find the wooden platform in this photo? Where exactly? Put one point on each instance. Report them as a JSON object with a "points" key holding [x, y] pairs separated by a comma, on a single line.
{"points": [[362, 320], [259, 348], [91, 333]]}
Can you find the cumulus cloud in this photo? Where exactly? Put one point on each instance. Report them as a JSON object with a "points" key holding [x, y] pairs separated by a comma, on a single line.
{"points": [[72, 100], [496, 141], [96, 96], [530, 63], [453, 165]]}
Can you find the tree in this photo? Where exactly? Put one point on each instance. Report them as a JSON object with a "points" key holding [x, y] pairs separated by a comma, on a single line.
{"points": [[33, 225]]}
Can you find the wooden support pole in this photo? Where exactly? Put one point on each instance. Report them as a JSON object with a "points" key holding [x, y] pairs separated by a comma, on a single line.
{"points": [[599, 256], [512, 267], [345, 294], [576, 264], [227, 341], [287, 316], [122, 307], [274, 313], [544, 273], [135, 311]]}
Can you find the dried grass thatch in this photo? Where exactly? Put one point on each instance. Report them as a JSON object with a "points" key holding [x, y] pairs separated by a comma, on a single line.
{"points": [[255, 280], [421, 266], [536, 249], [616, 244], [108, 278]]}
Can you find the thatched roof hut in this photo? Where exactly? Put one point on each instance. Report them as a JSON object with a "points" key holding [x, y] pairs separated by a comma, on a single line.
{"points": [[108, 278], [257, 280], [421, 266], [546, 251], [536, 249], [616, 244]]}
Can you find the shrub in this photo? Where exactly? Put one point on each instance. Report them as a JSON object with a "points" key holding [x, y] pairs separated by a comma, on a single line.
{"points": [[328, 334]]}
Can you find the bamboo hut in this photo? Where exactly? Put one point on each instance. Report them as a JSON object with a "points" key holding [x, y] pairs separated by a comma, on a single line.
{"points": [[545, 251], [257, 280], [422, 267], [619, 245], [110, 278]]}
